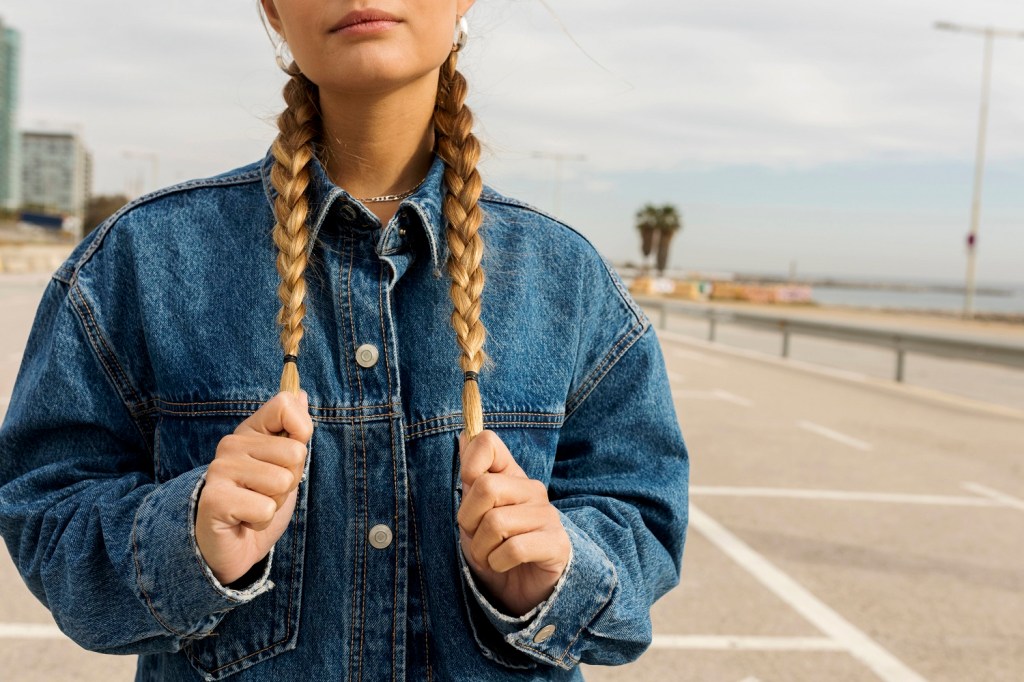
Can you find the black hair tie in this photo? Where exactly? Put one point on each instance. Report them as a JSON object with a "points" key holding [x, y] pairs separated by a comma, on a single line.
{"points": [[291, 358], [470, 374]]}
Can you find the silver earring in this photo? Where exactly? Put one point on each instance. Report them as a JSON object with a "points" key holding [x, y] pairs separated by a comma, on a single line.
{"points": [[279, 56], [461, 36]]}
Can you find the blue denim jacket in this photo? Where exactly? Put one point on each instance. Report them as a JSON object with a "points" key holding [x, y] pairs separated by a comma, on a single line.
{"points": [[157, 337]]}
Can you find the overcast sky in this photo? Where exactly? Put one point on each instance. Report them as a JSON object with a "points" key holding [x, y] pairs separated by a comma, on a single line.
{"points": [[836, 136]]}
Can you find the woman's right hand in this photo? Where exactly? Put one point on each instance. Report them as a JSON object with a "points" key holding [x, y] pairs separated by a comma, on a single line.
{"points": [[251, 486]]}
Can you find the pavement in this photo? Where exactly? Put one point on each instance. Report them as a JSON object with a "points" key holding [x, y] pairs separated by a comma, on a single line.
{"points": [[842, 527]]}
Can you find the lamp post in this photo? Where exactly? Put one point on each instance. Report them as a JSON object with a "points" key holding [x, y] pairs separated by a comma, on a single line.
{"points": [[979, 163], [559, 158], [142, 154]]}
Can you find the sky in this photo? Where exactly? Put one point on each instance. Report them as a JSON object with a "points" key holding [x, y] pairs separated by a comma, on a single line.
{"points": [[823, 138]]}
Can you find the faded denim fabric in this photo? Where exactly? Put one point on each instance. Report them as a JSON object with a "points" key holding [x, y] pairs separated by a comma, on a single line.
{"points": [[157, 337]]}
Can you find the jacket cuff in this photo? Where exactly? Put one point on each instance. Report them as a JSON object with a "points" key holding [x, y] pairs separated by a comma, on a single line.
{"points": [[176, 582], [551, 631]]}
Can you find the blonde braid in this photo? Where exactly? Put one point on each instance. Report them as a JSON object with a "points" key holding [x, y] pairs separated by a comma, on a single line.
{"points": [[299, 126], [460, 151]]}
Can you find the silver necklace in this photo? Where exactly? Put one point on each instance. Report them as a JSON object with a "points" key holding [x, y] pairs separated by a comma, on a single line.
{"points": [[393, 197]]}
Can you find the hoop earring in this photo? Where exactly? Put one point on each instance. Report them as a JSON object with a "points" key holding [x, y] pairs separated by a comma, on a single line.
{"points": [[279, 57], [461, 36]]}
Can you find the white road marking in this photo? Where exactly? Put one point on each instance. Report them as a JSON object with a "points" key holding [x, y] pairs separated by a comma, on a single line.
{"points": [[30, 631], [733, 398], [732, 643], [717, 394], [834, 435], [843, 495], [884, 664], [995, 495], [696, 395], [898, 388], [696, 356]]}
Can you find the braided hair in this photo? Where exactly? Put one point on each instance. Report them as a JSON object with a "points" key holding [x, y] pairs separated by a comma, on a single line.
{"points": [[300, 126]]}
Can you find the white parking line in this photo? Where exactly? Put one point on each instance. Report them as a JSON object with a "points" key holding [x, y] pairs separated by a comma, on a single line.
{"points": [[717, 394], [1001, 498], [696, 356], [863, 648], [834, 435], [731, 643], [733, 398], [30, 631], [694, 394], [843, 495]]}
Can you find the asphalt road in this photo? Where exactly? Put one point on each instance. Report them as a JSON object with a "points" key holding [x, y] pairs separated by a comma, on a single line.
{"points": [[843, 527]]}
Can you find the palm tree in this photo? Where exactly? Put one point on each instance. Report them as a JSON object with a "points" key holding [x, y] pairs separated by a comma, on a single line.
{"points": [[657, 224], [647, 224], [669, 223]]}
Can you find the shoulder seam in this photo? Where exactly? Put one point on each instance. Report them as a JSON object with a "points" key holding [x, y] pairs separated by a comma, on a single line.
{"points": [[67, 271], [105, 355], [493, 196], [610, 359]]}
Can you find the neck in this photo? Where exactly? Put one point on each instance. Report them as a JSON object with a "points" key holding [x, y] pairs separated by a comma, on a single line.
{"points": [[379, 143]]}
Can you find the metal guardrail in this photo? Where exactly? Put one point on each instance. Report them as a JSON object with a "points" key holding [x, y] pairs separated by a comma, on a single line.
{"points": [[1007, 355]]}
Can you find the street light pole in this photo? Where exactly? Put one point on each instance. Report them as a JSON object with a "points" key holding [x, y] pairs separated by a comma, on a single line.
{"points": [[979, 162], [559, 158], [153, 157]]}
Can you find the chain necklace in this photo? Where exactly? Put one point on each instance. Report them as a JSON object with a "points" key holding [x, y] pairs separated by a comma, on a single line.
{"points": [[393, 197]]}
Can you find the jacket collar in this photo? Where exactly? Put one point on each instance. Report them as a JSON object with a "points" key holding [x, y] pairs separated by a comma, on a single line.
{"points": [[425, 202]]}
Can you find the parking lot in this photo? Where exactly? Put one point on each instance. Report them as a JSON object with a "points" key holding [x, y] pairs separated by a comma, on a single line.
{"points": [[842, 527]]}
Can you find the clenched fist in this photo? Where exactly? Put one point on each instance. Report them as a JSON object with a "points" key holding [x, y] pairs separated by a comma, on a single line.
{"points": [[251, 486], [511, 535]]}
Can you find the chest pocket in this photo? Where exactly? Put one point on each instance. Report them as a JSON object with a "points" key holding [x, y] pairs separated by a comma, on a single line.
{"points": [[269, 624]]}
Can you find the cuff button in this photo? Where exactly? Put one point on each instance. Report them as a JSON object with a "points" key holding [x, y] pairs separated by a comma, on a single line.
{"points": [[544, 634]]}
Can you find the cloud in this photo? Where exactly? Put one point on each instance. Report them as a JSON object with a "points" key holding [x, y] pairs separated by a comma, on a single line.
{"points": [[655, 96]]}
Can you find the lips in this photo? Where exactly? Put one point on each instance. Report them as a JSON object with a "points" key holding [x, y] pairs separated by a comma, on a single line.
{"points": [[361, 16]]}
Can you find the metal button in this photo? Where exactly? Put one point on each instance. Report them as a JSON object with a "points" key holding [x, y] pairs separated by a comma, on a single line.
{"points": [[349, 211], [401, 232], [544, 633], [366, 355], [380, 536]]}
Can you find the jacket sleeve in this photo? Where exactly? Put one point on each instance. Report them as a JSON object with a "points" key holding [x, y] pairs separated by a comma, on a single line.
{"points": [[108, 550], [620, 481]]}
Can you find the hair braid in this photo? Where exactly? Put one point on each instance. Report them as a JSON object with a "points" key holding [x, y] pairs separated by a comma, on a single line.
{"points": [[460, 151], [299, 126]]}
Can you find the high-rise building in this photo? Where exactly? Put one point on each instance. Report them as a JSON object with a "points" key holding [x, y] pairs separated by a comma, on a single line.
{"points": [[57, 173], [10, 144]]}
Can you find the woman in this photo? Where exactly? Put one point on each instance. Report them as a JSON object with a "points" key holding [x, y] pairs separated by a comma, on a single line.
{"points": [[160, 501]]}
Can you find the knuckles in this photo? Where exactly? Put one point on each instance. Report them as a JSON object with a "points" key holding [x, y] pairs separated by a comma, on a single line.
{"points": [[494, 523]]}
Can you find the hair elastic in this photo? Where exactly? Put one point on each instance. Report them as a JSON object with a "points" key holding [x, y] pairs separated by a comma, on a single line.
{"points": [[291, 358], [470, 374]]}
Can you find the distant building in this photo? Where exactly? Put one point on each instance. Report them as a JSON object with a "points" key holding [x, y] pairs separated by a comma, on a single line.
{"points": [[10, 147], [56, 174]]}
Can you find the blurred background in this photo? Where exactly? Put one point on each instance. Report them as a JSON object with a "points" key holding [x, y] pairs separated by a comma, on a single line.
{"points": [[820, 205]]}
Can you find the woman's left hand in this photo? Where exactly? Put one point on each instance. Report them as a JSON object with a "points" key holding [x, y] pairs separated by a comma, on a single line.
{"points": [[511, 534]]}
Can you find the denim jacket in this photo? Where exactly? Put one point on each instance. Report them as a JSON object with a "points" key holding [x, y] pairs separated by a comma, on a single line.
{"points": [[157, 337]]}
